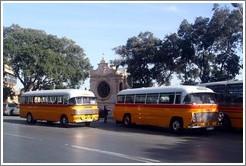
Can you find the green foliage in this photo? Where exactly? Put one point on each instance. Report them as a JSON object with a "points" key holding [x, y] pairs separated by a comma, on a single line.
{"points": [[215, 42], [138, 55], [203, 51], [42, 61], [7, 92]]}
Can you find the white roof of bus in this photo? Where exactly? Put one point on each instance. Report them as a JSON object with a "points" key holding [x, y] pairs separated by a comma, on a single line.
{"points": [[166, 89], [60, 92], [222, 82]]}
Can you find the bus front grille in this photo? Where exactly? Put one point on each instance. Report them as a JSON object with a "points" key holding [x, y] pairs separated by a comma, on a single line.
{"points": [[205, 117]]}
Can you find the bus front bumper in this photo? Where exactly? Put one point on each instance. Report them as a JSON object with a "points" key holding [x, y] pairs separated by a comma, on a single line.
{"points": [[85, 118], [206, 125]]}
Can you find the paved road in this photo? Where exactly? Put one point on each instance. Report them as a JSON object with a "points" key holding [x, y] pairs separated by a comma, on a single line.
{"points": [[111, 143]]}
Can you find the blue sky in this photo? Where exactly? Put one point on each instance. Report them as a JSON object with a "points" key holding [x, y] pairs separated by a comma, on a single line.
{"points": [[98, 27]]}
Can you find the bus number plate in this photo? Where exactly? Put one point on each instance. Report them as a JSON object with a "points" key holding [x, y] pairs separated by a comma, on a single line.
{"points": [[210, 128]]}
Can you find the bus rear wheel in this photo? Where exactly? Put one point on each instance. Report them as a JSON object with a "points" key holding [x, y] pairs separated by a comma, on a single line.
{"points": [[127, 120], [226, 123], [64, 121], [176, 125]]}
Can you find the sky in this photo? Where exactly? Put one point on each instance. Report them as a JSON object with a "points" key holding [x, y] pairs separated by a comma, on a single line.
{"points": [[98, 26]]}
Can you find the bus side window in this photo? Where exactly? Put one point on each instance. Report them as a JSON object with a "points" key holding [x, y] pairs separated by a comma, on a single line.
{"points": [[140, 98], [59, 99], [65, 99], [30, 100], [187, 99], [171, 98], [129, 98], [178, 99], [152, 98], [166, 98], [72, 101], [120, 99], [238, 100]]}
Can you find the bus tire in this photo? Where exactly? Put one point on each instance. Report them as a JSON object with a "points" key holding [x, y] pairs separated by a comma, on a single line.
{"points": [[64, 121], [226, 123], [176, 125], [29, 118], [87, 124], [127, 120]]}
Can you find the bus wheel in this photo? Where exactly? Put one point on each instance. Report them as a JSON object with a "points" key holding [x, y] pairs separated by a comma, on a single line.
{"points": [[64, 121], [127, 120], [226, 123], [176, 126], [87, 124], [29, 118]]}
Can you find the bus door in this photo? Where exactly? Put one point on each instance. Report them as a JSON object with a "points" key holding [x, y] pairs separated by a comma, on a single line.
{"points": [[140, 104]]}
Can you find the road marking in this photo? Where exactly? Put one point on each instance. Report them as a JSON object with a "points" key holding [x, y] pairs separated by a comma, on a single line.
{"points": [[140, 159], [20, 136]]}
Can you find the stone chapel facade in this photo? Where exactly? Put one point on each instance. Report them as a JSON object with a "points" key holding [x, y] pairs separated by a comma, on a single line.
{"points": [[106, 82]]}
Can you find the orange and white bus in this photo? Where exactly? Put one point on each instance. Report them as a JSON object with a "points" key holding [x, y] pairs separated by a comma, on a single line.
{"points": [[62, 105], [173, 107], [230, 97]]}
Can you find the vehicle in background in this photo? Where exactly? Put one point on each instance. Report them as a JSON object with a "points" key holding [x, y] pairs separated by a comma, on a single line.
{"points": [[230, 97], [173, 107], [62, 105], [10, 108]]}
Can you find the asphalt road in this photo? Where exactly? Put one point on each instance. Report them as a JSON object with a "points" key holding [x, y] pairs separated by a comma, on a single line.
{"points": [[100, 143]]}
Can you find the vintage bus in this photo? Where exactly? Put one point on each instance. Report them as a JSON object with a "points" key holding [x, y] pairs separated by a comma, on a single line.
{"points": [[173, 107], [61, 105], [230, 96]]}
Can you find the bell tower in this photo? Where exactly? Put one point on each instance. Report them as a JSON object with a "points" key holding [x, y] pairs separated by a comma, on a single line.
{"points": [[106, 82]]}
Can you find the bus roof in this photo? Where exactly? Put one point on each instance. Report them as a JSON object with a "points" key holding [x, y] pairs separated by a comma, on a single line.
{"points": [[60, 92], [166, 89], [222, 82]]}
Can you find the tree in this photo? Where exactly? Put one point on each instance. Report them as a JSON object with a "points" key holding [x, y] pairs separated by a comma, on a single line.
{"points": [[214, 44], [7, 92], [166, 59], [227, 28], [138, 55], [204, 51], [42, 61]]}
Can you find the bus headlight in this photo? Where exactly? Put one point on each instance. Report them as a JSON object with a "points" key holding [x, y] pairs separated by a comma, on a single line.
{"points": [[193, 119], [76, 112], [221, 116]]}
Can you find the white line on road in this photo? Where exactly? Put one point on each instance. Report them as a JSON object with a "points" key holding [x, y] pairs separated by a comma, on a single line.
{"points": [[20, 136], [140, 159]]}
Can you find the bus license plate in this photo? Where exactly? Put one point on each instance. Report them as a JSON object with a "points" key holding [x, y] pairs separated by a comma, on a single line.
{"points": [[210, 128], [88, 117]]}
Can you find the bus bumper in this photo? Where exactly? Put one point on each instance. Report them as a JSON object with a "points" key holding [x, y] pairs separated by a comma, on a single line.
{"points": [[85, 118]]}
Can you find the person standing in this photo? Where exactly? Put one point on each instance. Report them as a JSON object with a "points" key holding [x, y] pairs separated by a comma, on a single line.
{"points": [[105, 112]]}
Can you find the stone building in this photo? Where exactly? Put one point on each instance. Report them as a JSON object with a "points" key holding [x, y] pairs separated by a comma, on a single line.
{"points": [[10, 81], [105, 82]]}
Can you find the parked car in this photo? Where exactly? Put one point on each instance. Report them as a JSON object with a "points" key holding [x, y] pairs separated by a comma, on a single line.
{"points": [[10, 108]]}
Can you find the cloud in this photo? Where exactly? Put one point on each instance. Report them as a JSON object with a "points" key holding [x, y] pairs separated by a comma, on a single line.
{"points": [[172, 8]]}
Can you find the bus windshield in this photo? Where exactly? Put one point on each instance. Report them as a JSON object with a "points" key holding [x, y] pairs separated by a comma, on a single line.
{"points": [[200, 98]]}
